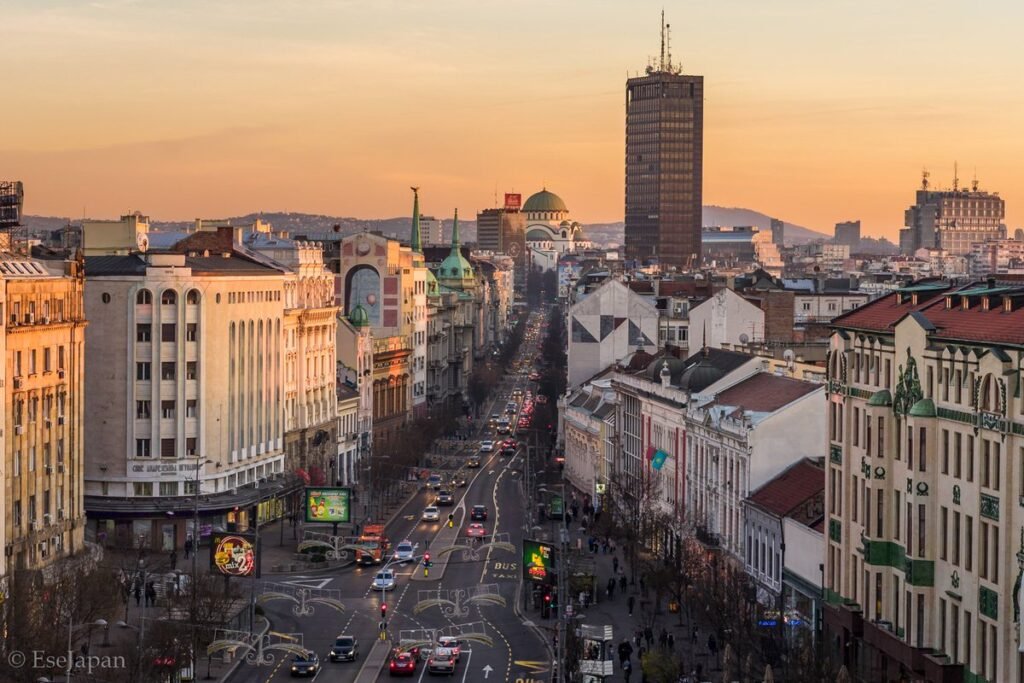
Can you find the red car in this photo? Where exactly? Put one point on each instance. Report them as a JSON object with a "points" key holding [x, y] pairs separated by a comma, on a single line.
{"points": [[476, 530], [402, 664]]}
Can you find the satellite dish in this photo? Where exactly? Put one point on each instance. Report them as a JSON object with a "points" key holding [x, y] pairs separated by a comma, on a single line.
{"points": [[744, 338]]}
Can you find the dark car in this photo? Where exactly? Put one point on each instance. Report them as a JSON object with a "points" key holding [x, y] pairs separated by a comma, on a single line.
{"points": [[305, 665], [402, 664], [479, 513], [473, 462], [445, 498], [458, 481], [345, 649]]}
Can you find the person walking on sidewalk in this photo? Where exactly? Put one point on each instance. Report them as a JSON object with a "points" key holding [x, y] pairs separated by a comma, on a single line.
{"points": [[611, 589], [629, 603], [615, 565], [625, 652], [622, 583], [663, 639], [649, 636]]}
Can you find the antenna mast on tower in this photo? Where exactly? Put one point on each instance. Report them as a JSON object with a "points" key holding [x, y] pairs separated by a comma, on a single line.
{"points": [[956, 177], [974, 180], [924, 178], [661, 62]]}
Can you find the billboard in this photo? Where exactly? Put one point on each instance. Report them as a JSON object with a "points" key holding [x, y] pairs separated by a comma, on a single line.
{"points": [[513, 202], [539, 562], [234, 554], [328, 504]]}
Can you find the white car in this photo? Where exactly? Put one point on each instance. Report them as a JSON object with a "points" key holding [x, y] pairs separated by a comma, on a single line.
{"points": [[431, 514], [405, 552], [452, 643], [384, 580], [486, 446]]}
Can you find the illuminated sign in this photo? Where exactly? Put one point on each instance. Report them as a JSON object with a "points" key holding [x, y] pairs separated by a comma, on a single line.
{"points": [[513, 201], [233, 554], [330, 504], [539, 562]]}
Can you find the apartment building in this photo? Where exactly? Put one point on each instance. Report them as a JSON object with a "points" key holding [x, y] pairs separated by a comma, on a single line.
{"points": [[924, 477]]}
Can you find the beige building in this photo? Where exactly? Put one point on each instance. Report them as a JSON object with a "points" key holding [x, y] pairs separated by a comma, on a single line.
{"points": [[355, 375], [44, 517], [186, 358], [924, 483]]}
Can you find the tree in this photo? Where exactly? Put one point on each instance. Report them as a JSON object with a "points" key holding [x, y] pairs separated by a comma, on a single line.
{"points": [[660, 666]]}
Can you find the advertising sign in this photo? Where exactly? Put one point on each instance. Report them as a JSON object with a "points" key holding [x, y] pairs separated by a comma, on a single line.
{"points": [[538, 562], [556, 508], [513, 201], [233, 554], [328, 504]]}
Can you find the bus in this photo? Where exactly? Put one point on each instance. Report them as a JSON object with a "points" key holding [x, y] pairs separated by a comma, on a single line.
{"points": [[373, 545]]}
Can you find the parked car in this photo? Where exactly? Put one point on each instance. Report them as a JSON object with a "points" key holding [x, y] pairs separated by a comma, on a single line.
{"points": [[402, 664], [479, 513], [431, 514], [405, 552], [305, 664], [345, 649], [384, 580]]}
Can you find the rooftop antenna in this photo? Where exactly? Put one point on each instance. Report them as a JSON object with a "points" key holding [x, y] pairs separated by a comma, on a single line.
{"points": [[661, 62], [924, 178], [668, 46], [956, 177], [974, 180]]}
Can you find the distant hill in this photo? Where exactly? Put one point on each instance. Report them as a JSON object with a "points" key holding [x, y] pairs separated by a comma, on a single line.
{"points": [[298, 224]]}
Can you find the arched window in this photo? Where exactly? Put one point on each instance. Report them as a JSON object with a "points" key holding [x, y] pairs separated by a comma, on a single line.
{"points": [[144, 297], [564, 234], [192, 298], [169, 297]]}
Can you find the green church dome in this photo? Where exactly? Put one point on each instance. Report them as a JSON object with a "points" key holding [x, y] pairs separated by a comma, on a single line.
{"points": [[359, 317], [544, 201]]}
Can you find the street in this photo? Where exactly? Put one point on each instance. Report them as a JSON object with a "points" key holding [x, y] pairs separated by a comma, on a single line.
{"points": [[473, 590]]}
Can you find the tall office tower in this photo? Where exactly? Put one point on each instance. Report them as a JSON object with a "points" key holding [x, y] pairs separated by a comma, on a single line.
{"points": [[430, 230], [664, 160], [503, 230], [848, 233], [778, 232], [952, 220]]}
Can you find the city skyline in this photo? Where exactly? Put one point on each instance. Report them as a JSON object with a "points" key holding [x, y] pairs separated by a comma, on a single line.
{"points": [[188, 110]]}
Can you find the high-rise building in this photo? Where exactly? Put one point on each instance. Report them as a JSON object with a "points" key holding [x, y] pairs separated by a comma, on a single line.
{"points": [[431, 230], [778, 232], [848, 233], [952, 220], [664, 161]]}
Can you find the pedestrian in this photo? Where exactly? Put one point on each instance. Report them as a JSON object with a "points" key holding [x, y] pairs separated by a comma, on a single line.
{"points": [[174, 559], [625, 652], [643, 585], [693, 636], [649, 636], [638, 636], [615, 564], [630, 603], [663, 639], [712, 644], [138, 594], [640, 653], [622, 583], [188, 547], [150, 594], [671, 642], [611, 588]]}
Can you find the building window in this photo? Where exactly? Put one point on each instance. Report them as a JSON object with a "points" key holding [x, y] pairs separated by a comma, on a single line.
{"points": [[191, 332], [943, 531], [142, 448], [143, 488], [60, 357], [921, 529], [191, 370], [191, 488], [168, 332], [142, 410], [168, 448], [47, 360], [191, 444], [169, 297], [144, 297], [168, 370], [968, 543], [192, 298], [142, 371], [191, 408], [167, 410], [168, 488], [143, 332]]}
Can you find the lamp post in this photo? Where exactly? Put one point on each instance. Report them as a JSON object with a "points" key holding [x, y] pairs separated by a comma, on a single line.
{"points": [[71, 629]]}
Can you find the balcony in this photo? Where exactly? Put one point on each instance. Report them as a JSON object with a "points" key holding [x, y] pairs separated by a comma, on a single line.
{"points": [[707, 538]]}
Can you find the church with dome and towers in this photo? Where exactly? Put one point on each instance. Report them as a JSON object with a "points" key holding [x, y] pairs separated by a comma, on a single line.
{"points": [[550, 232]]}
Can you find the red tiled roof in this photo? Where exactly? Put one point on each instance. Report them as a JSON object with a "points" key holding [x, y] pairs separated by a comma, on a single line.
{"points": [[883, 313], [791, 489], [765, 392], [975, 324], [686, 288]]}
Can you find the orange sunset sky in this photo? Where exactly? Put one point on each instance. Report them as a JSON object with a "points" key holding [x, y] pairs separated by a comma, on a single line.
{"points": [[816, 111]]}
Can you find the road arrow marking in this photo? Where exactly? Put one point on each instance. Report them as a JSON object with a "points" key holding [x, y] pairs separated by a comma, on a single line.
{"points": [[487, 671], [409, 518], [533, 667], [306, 582]]}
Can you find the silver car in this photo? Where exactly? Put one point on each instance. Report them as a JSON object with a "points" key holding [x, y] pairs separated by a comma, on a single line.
{"points": [[384, 580], [405, 552], [431, 514]]}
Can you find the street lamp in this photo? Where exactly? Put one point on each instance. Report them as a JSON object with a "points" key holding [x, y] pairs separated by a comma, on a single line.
{"points": [[71, 629]]}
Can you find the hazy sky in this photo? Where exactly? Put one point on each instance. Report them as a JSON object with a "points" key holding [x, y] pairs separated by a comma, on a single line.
{"points": [[816, 111]]}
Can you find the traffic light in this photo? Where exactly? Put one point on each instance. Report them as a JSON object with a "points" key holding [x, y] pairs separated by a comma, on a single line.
{"points": [[545, 606], [383, 610], [426, 559], [451, 520]]}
